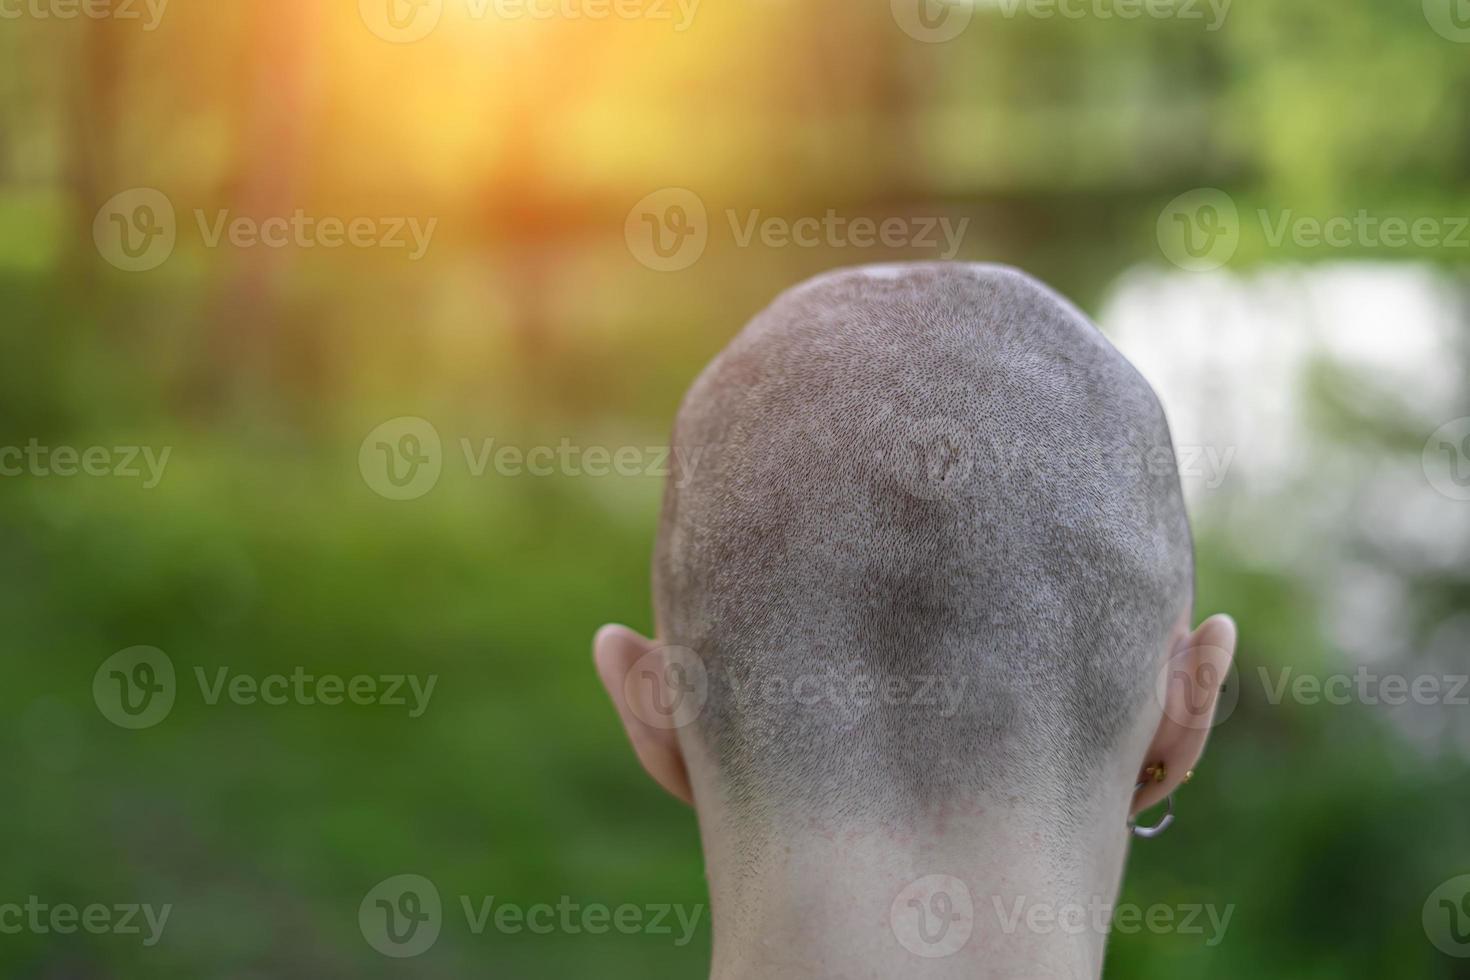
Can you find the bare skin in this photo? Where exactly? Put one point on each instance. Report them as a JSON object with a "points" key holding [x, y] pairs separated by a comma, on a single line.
{"points": [[817, 897]]}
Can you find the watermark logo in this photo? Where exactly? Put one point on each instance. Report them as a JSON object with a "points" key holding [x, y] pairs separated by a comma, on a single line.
{"points": [[667, 687], [938, 21], [305, 231], [572, 917], [668, 230], [63, 918], [1211, 12], [410, 691], [933, 21], [407, 21], [1199, 230], [149, 12], [1446, 459], [938, 234], [41, 461], [941, 457], [934, 458], [933, 916], [1100, 916], [401, 916], [847, 694], [1365, 686], [401, 21], [1447, 917], [568, 459], [135, 688], [1449, 18], [1363, 230], [1184, 684], [136, 230], [402, 458], [680, 13]]}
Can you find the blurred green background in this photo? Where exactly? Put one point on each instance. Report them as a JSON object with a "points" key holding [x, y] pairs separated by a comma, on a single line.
{"points": [[538, 314]]}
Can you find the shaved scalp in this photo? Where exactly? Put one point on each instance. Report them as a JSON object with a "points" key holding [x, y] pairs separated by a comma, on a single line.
{"points": [[933, 550]]}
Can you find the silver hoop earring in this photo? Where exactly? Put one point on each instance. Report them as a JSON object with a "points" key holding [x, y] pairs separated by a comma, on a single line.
{"points": [[1164, 821]]}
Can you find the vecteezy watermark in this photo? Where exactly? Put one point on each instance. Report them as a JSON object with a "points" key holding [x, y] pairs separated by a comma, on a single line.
{"points": [[407, 21], [136, 688], [571, 917], [933, 916], [667, 687], [1449, 18], [1365, 686], [125, 462], [148, 12], [402, 916], [942, 458], [669, 230], [401, 21], [568, 459], [137, 230], [850, 691], [933, 458], [938, 21], [385, 690], [1446, 916], [1363, 229], [403, 458], [933, 21], [1200, 230], [63, 918], [1446, 459], [1211, 13], [1100, 916], [1198, 687]]}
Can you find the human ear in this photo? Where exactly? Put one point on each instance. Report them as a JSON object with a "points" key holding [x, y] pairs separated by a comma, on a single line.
{"points": [[1190, 690], [643, 684]]}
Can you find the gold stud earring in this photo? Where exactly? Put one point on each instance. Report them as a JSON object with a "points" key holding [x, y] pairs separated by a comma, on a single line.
{"points": [[1156, 772], [1188, 775]]}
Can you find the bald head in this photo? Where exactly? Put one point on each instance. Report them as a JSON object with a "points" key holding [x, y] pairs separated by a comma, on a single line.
{"points": [[934, 547]]}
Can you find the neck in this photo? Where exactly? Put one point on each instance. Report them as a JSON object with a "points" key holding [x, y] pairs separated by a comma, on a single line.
{"points": [[986, 892]]}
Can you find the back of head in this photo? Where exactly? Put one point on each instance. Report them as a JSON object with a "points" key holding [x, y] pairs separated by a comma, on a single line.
{"points": [[933, 548]]}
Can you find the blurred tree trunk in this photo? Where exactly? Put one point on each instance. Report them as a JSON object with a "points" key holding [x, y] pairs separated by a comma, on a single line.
{"points": [[91, 164], [539, 219], [853, 67], [247, 345]]}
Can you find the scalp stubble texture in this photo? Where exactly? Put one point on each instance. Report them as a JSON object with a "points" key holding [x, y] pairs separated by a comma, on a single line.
{"points": [[931, 473]]}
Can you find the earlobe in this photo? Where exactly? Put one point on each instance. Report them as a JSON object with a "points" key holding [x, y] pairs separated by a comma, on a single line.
{"points": [[634, 671]]}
